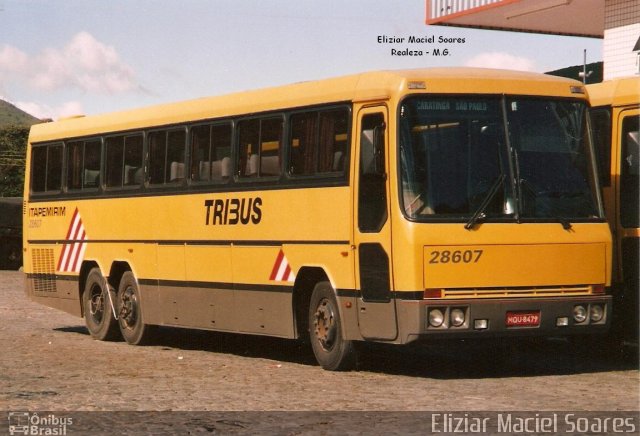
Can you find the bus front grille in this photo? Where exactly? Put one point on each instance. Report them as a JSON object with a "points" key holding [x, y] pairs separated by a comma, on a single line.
{"points": [[515, 292]]}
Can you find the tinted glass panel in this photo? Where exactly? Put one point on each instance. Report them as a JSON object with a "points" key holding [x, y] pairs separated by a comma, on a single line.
{"points": [[92, 164], [175, 155], [630, 173], [124, 161], [115, 159], [452, 157], [553, 156], [455, 162], [318, 142], [38, 169], [157, 156], [211, 152], [372, 192], [201, 153], [75, 154], [133, 167], [260, 147], [271, 147], [54, 168], [249, 134], [332, 141]]}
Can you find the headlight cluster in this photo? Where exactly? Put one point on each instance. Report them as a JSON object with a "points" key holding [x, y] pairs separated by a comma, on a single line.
{"points": [[447, 317], [584, 314]]}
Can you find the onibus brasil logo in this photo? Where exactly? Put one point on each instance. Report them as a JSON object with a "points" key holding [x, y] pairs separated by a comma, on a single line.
{"points": [[27, 423]]}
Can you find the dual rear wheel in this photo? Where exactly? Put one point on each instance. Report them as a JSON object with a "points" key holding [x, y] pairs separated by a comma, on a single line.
{"points": [[108, 312]]}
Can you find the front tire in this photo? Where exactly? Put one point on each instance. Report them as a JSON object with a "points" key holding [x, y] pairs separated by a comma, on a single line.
{"points": [[332, 351], [97, 307], [130, 317]]}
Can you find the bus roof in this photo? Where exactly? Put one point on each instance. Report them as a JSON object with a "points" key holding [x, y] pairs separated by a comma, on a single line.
{"points": [[617, 92], [367, 86]]}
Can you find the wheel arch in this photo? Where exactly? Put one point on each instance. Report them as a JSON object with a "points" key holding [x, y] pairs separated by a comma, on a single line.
{"points": [[306, 279], [118, 268]]}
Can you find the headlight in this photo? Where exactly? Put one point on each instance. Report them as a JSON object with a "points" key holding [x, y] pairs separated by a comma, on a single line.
{"points": [[457, 317], [579, 314], [436, 318], [596, 313]]}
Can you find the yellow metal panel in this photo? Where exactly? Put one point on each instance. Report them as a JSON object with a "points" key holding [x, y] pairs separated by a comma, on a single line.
{"points": [[513, 265], [618, 92], [253, 264], [336, 260], [171, 262], [208, 263]]}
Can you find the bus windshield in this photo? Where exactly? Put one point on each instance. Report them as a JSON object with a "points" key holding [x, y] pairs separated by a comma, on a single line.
{"points": [[496, 158]]}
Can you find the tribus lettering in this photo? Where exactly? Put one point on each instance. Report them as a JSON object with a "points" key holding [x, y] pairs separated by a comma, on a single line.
{"points": [[233, 211]]}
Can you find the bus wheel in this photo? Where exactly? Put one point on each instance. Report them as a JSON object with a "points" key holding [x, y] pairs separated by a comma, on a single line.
{"points": [[325, 331], [132, 327], [97, 307]]}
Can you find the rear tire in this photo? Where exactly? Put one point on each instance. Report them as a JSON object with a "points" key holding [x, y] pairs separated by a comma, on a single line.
{"points": [[332, 351], [97, 307], [130, 316]]}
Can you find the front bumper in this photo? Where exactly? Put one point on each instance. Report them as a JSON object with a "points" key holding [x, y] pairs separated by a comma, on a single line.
{"points": [[488, 317]]}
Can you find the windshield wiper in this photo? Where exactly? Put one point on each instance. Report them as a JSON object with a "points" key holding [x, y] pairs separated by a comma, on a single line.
{"points": [[566, 224], [479, 213]]}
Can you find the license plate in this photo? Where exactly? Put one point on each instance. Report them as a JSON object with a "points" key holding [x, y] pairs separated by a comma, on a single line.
{"points": [[523, 319]]}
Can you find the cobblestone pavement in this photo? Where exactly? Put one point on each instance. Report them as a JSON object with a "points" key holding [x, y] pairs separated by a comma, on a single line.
{"points": [[48, 362]]}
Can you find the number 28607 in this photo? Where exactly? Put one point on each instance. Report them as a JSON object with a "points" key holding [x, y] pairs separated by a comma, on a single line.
{"points": [[457, 256]]}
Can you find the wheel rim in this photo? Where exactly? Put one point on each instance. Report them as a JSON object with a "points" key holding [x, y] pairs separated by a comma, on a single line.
{"points": [[325, 326], [129, 308], [96, 303]]}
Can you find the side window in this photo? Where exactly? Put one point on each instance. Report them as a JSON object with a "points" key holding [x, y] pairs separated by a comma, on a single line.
{"points": [[39, 169], [124, 161], [133, 166], [92, 150], [318, 142], [270, 147], [54, 167], [601, 126], [83, 164], [211, 152], [114, 161], [372, 194], [630, 173], [75, 154], [157, 156], [166, 156], [260, 147], [174, 171], [249, 134], [46, 168]]}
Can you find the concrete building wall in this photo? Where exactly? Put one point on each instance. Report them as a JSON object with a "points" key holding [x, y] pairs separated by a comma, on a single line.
{"points": [[621, 33]]}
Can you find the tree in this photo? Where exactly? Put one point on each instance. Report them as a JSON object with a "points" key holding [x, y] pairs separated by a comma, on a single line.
{"points": [[13, 146]]}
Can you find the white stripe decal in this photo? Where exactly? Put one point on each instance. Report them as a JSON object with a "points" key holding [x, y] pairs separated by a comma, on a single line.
{"points": [[73, 252]]}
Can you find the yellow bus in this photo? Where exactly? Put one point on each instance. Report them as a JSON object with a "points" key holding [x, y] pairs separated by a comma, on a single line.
{"points": [[384, 206], [615, 117]]}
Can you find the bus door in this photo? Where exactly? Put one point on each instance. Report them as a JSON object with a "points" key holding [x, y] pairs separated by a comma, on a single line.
{"points": [[628, 234], [372, 234]]}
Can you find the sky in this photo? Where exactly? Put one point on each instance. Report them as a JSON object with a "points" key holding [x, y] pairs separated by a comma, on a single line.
{"points": [[67, 57]]}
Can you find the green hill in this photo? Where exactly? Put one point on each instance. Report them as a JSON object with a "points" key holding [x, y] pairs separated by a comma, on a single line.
{"points": [[12, 116], [594, 76]]}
